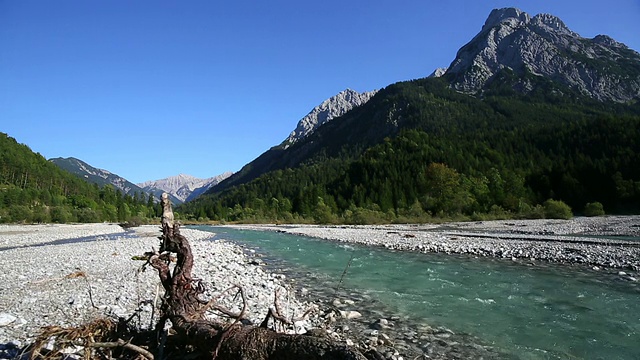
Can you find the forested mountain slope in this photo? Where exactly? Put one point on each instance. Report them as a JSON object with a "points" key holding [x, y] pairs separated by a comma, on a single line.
{"points": [[33, 189], [420, 147], [94, 175], [330, 109], [527, 111]]}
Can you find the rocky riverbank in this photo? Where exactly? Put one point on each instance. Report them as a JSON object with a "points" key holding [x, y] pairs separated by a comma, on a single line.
{"points": [[599, 242], [69, 274]]}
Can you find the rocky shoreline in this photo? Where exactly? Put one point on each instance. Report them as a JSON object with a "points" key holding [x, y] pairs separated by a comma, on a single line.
{"points": [[69, 274]]}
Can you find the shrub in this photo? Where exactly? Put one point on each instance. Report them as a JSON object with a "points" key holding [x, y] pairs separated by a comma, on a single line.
{"points": [[60, 214], [87, 215], [136, 221], [361, 216], [536, 212], [593, 209], [40, 214], [557, 209], [5, 217], [20, 213]]}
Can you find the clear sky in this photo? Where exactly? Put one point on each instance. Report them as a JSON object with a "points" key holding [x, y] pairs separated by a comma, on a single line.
{"points": [[151, 89]]}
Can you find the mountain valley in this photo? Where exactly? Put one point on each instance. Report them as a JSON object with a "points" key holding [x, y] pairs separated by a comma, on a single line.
{"points": [[528, 114]]}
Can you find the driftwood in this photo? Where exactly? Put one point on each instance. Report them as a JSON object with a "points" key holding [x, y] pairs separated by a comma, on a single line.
{"points": [[182, 312], [183, 307]]}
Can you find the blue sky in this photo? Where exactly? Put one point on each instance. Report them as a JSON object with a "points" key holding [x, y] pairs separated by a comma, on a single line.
{"points": [[151, 89]]}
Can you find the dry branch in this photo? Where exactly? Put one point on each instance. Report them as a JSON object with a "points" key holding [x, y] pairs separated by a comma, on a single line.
{"points": [[121, 344]]}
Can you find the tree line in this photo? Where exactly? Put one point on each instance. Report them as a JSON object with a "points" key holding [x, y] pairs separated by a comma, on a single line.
{"points": [[450, 155]]}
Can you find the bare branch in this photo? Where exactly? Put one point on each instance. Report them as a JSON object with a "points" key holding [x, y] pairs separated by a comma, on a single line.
{"points": [[123, 344]]}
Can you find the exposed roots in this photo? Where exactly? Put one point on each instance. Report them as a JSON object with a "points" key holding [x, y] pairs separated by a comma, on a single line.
{"points": [[55, 341], [182, 330]]}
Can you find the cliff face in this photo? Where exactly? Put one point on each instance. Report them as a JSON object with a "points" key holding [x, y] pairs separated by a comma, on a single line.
{"points": [[544, 46], [331, 108]]}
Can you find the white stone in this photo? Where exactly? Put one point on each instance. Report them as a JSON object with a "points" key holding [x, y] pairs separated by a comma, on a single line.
{"points": [[350, 314], [350, 342], [6, 319]]}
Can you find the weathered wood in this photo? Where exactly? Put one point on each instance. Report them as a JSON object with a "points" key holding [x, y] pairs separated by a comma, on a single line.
{"points": [[183, 307]]}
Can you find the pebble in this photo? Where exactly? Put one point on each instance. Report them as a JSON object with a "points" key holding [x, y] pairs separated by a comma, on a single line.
{"points": [[351, 314], [380, 324], [49, 283], [6, 319]]}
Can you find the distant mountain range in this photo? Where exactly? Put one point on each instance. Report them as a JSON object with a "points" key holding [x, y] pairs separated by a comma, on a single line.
{"points": [[520, 81], [181, 187]]}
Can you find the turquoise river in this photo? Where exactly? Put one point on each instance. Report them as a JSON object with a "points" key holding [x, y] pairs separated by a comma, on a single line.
{"points": [[529, 311]]}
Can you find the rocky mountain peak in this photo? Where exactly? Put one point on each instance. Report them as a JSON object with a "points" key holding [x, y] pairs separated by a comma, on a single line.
{"points": [[182, 187], [506, 16], [608, 41], [544, 46], [438, 72], [550, 23], [329, 109]]}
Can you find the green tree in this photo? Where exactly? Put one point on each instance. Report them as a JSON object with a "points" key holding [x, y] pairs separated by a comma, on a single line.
{"points": [[444, 191], [323, 213]]}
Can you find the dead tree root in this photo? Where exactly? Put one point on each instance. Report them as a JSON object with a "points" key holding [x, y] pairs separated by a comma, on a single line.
{"points": [[191, 336]]}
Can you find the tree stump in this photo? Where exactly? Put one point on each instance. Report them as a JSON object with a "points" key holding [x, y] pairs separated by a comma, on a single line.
{"points": [[184, 308]]}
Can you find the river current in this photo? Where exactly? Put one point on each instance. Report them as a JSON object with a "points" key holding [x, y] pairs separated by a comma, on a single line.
{"points": [[527, 310]]}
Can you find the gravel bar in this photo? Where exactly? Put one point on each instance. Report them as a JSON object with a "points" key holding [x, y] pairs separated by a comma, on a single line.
{"points": [[69, 274], [47, 280], [608, 241]]}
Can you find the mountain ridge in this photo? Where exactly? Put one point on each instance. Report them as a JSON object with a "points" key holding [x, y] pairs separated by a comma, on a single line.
{"points": [[320, 116], [449, 111], [329, 109], [95, 175], [544, 46], [180, 188]]}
